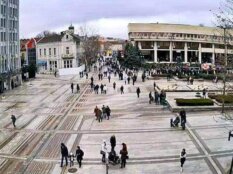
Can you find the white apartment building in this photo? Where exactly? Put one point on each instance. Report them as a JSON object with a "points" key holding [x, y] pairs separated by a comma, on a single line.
{"points": [[166, 43], [59, 51], [10, 75]]}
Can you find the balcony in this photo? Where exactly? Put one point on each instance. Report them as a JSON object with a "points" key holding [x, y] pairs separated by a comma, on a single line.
{"points": [[67, 56]]}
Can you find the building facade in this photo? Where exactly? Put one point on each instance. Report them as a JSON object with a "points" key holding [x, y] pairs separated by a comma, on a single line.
{"points": [[110, 46], [10, 65], [170, 43], [58, 51]]}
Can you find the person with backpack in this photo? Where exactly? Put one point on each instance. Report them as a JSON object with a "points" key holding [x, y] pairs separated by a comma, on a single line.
{"points": [[79, 156]]}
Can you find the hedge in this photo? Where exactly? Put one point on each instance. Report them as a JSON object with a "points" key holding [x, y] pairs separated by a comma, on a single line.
{"points": [[228, 99], [194, 102]]}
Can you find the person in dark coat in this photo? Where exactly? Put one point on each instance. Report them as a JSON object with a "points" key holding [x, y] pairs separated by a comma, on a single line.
{"points": [[150, 97], [78, 88], [109, 78], [102, 88], [138, 92], [183, 118], [128, 80], [72, 87], [79, 156], [64, 154], [122, 89], [114, 85], [124, 155], [13, 118], [113, 142], [108, 112], [182, 159]]}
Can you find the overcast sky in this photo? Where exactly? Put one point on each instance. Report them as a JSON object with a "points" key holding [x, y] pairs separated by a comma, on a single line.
{"points": [[110, 17]]}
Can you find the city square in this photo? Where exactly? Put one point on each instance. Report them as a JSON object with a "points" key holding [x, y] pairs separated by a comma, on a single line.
{"points": [[116, 87], [49, 114]]}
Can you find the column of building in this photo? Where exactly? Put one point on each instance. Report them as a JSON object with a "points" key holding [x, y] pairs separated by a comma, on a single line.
{"points": [[213, 55], [200, 53], [155, 52], [186, 52], [171, 51]]}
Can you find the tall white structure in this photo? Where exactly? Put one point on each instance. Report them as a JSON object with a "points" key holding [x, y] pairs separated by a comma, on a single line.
{"points": [[169, 43], [59, 51], [10, 65]]}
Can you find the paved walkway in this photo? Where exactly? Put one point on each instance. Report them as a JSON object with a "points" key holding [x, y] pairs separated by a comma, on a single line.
{"points": [[48, 114]]}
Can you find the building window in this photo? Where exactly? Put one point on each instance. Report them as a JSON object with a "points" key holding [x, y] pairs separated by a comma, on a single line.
{"points": [[40, 52], [55, 51], [67, 50], [45, 52], [50, 52], [68, 63]]}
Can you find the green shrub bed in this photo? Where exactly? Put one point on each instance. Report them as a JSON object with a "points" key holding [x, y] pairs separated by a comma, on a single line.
{"points": [[194, 102], [228, 99]]}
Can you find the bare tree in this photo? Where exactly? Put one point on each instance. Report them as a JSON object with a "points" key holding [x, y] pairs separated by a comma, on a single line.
{"points": [[90, 45], [224, 21], [45, 33]]}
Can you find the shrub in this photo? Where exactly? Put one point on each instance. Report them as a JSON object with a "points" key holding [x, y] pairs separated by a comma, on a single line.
{"points": [[194, 102], [228, 99]]}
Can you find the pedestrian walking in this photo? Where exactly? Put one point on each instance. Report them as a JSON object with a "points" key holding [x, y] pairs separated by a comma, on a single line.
{"points": [[150, 97], [78, 88], [104, 112], [72, 87], [100, 115], [13, 118], [86, 75], [183, 118], [102, 88], [79, 156], [64, 154], [138, 91], [71, 158], [105, 89], [128, 80], [108, 112], [182, 159], [104, 151], [113, 142], [124, 155], [122, 89], [96, 112], [109, 78], [154, 85], [204, 93], [114, 85]]}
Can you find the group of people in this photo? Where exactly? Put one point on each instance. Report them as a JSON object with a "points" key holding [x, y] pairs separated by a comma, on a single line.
{"points": [[103, 89], [77, 87], [103, 113], [158, 98], [65, 155], [174, 122], [111, 156]]}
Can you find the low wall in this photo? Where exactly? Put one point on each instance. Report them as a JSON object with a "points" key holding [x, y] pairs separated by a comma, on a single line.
{"points": [[71, 71]]}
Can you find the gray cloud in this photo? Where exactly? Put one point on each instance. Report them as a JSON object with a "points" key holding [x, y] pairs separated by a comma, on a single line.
{"points": [[39, 15]]}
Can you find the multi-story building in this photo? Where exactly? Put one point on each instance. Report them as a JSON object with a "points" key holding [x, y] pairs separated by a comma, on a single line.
{"points": [[171, 43], [110, 46], [59, 51], [10, 64]]}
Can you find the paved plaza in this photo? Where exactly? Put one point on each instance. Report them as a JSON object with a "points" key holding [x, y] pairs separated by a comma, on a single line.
{"points": [[49, 114]]}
